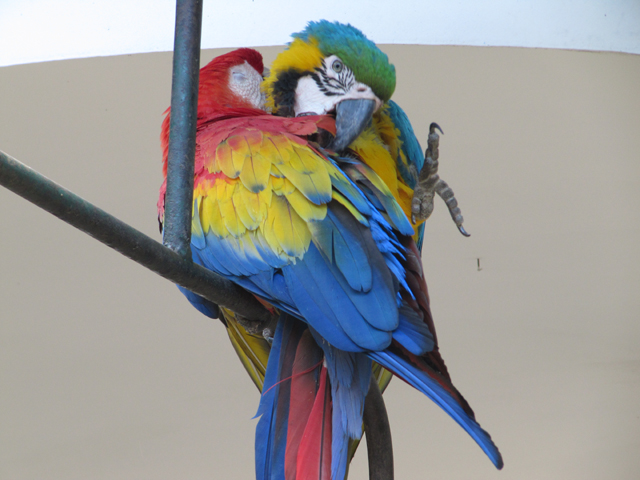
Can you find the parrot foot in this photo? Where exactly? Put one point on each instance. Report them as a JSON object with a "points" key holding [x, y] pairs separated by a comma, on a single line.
{"points": [[264, 328], [429, 183]]}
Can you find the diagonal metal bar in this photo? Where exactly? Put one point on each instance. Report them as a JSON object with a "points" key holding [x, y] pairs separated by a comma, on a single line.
{"points": [[125, 239], [378, 432], [182, 130]]}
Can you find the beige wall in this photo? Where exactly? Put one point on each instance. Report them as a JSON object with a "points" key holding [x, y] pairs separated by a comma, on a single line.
{"points": [[107, 372]]}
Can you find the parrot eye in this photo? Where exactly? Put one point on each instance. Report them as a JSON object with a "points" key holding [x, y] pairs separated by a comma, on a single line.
{"points": [[337, 66], [239, 76]]}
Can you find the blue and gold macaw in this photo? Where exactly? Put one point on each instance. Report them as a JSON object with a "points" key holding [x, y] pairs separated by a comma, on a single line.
{"points": [[323, 239], [388, 144]]}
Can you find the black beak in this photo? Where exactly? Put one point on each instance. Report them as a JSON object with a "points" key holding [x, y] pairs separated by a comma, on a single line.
{"points": [[352, 116]]}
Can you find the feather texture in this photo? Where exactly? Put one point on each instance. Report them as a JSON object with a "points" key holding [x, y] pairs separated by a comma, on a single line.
{"points": [[326, 241]]}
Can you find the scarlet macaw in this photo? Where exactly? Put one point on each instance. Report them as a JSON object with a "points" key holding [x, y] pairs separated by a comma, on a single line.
{"points": [[324, 240]]}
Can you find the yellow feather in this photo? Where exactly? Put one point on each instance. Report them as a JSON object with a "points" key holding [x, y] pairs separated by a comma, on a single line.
{"points": [[342, 200], [253, 350], [299, 55], [277, 181], [389, 134], [255, 171], [275, 172], [278, 148], [242, 209], [405, 196], [229, 213], [240, 151], [284, 230], [255, 203], [283, 186], [224, 161], [308, 211], [196, 226], [210, 217], [307, 171], [224, 189], [376, 155]]}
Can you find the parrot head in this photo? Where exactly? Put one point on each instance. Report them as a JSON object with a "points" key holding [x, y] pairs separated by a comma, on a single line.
{"points": [[232, 80], [331, 68]]}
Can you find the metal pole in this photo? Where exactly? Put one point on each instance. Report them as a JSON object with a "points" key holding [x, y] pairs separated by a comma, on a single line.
{"points": [[378, 432], [130, 242], [182, 130]]}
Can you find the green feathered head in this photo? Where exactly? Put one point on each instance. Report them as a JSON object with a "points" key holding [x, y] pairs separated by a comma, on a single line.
{"points": [[370, 65]]}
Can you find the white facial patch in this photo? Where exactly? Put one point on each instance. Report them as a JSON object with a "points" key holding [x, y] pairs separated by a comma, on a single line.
{"points": [[320, 92], [310, 100], [245, 82]]}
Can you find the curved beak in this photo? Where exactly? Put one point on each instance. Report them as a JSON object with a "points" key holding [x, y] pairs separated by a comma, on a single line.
{"points": [[352, 117]]}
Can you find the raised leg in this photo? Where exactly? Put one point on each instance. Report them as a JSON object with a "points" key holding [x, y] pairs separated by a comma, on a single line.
{"points": [[430, 183]]}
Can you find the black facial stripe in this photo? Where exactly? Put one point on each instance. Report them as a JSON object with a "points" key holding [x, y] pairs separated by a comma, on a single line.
{"points": [[322, 85], [284, 91], [333, 86]]}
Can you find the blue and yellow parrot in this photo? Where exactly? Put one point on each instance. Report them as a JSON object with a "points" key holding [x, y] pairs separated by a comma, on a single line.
{"points": [[323, 239], [388, 144]]}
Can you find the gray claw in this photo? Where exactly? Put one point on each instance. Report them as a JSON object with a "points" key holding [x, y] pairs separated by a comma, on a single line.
{"points": [[429, 183], [463, 231]]}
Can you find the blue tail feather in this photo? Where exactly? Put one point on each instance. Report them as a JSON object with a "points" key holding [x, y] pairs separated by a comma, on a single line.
{"points": [[350, 375], [439, 395]]}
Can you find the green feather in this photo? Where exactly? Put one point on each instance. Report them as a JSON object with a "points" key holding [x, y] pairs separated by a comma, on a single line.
{"points": [[369, 65]]}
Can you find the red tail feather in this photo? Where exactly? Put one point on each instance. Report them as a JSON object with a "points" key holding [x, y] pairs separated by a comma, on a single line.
{"points": [[314, 453], [303, 391]]}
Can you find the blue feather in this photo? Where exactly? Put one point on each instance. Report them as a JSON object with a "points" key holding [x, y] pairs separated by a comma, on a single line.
{"points": [[412, 151], [410, 144], [432, 389], [326, 305], [412, 332], [203, 305], [340, 243], [209, 258], [271, 431], [349, 373]]}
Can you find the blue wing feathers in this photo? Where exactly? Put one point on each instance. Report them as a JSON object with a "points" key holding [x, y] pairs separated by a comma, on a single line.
{"points": [[412, 332], [352, 290], [325, 286], [341, 243]]}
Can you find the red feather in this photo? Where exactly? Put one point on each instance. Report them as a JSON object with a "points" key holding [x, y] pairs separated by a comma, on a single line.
{"points": [[303, 392], [214, 93], [314, 453]]}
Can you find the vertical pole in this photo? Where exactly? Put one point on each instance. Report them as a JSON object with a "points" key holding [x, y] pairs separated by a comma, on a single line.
{"points": [[378, 432], [182, 130]]}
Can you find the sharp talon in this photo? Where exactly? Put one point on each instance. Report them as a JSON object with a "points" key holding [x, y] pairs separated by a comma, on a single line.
{"points": [[463, 231], [433, 127]]}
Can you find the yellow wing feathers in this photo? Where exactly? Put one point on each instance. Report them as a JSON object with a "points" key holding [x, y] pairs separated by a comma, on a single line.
{"points": [[261, 183]]}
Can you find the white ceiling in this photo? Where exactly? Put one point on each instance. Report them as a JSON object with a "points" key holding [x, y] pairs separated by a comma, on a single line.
{"points": [[43, 30]]}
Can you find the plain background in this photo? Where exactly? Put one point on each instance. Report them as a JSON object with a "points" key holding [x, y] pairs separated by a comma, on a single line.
{"points": [[106, 371]]}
